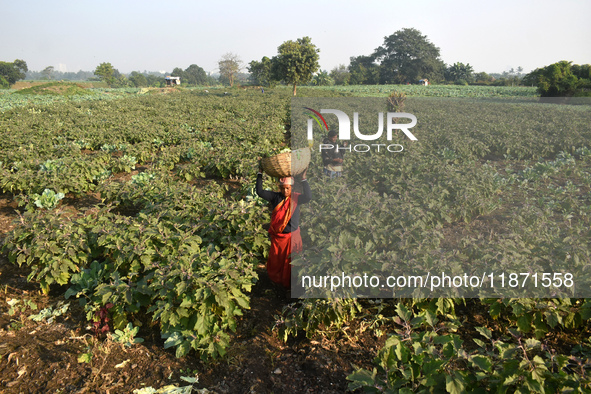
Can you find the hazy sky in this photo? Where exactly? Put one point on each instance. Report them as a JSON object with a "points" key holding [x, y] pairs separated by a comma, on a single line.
{"points": [[134, 35]]}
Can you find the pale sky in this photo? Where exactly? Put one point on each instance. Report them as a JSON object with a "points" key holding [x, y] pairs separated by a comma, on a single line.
{"points": [[134, 35]]}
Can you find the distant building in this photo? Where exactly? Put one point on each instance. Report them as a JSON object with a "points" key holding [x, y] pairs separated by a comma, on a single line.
{"points": [[424, 82], [170, 81]]}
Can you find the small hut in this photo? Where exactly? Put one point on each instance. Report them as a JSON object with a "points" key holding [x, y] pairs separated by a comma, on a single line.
{"points": [[171, 81]]}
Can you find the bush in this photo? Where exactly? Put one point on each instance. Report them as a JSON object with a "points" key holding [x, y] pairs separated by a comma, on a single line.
{"points": [[559, 80]]}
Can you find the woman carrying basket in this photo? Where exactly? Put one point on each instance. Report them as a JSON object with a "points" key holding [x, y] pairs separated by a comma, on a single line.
{"points": [[285, 225]]}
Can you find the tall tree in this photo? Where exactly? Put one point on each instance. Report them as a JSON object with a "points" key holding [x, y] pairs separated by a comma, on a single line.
{"points": [[229, 65], [297, 61], [12, 72], [407, 56], [106, 73], [195, 75], [47, 72]]}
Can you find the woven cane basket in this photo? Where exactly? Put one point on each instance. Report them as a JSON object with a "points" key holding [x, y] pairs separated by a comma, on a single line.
{"points": [[287, 164]]}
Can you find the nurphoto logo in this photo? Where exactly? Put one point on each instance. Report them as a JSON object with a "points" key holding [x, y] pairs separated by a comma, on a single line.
{"points": [[344, 132]]}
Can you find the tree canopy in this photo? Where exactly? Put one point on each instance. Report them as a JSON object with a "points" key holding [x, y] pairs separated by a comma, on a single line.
{"points": [[322, 78], [562, 79], [297, 61], [195, 75], [364, 70], [229, 65], [106, 73], [192, 75], [340, 75], [47, 72], [145, 79], [139, 80], [262, 73], [407, 56], [459, 73], [12, 72]]}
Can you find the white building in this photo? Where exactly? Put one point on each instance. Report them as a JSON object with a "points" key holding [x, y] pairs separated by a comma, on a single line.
{"points": [[172, 80]]}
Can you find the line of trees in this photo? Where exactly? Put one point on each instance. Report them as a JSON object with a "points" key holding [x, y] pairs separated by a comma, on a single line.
{"points": [[406, 56], [50, 73], [191, 76]]}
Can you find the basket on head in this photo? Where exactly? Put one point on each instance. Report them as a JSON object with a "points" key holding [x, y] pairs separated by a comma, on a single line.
{"points": [[287, 164]]}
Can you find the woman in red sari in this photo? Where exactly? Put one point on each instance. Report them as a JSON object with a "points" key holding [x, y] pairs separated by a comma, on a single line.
{"points": [[285, 225]]}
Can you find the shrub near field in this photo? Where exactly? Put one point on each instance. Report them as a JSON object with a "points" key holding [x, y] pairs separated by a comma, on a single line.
{"points": [[488, 183]]}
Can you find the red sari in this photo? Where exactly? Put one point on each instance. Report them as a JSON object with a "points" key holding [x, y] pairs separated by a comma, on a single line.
{"points": [[282, 245]]}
